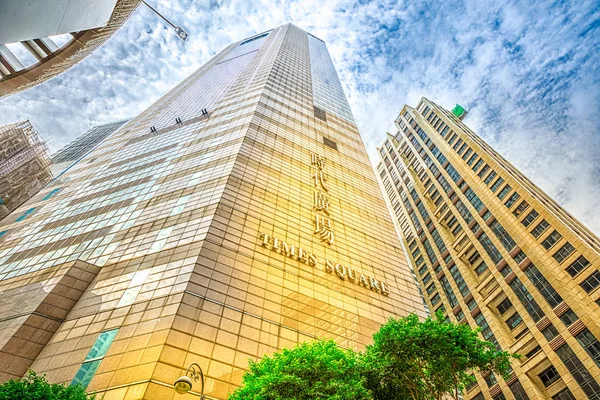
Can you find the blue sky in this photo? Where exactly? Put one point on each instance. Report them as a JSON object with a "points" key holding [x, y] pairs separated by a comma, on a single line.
{"points": [[528, 72]]}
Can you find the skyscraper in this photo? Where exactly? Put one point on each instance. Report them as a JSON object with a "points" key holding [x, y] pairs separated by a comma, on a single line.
{"points": [[82, 145], [493, 250], [236, 216]]}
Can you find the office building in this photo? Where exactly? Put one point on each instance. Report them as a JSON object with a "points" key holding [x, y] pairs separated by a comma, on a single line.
{"points": [[492, 250], [24, 165], [82, 145], [236, 216]]}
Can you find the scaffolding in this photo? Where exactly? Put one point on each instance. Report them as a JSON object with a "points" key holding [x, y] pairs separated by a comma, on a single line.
{"points": [[24, 165]]}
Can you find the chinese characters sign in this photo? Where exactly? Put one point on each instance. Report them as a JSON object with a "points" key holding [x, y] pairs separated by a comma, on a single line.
{"points": [[323, 222]]}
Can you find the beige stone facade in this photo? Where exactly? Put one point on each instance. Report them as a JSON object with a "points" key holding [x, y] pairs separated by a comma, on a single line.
{"points": [[238, 215], [490, 249]]}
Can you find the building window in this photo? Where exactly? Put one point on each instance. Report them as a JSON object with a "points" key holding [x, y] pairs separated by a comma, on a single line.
{"points": [[477, 165], [486, 331], [490, 380], [549, 332], [320, 113], [2, 233], [512, 200], [549, 376], [460, 315], [519, 257], [569, 317], [551, 240], [586, 381], [449, 292], [577, 266], [505, 271], [460, 282], [533, 352], [483, 171], [564, 394], [52, 193], [518, 392], [478, 396], [430, 289], [489, 178], [490, 248], [474, 199], [591, 282], [429, 251], [513, 321], [472, 304], [520, 208], [565, 251], [540, 228], [435, 299], [530, 218], [503, 236], [504, 306], [527, 300], [25, 214], [589, 342], [505, 190], [480, 269], [254, 38], [94, 358], [541, 284], [472, 159], [426, 279], [330, 143]]}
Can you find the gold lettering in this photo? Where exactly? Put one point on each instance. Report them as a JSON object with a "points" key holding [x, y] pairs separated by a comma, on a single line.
{"points": [[324, 229], [363, 281], [351, 274], [329, 266], [288, 251], [302, 255], [321, 180], [374, 284], [312, 260], [321, 202], [265, 240], [384, 290], [340, 271], [276, 245], [317, 161]]}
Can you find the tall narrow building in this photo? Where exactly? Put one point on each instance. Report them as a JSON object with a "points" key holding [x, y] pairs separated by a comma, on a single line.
{"points": [[492, 250], [236, 216]]}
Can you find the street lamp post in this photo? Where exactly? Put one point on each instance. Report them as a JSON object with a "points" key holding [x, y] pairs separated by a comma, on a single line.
{"points": [[185, 382], [181, 33]]}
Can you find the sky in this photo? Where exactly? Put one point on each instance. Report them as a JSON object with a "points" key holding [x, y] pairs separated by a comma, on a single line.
{"points": [[528, 72]]}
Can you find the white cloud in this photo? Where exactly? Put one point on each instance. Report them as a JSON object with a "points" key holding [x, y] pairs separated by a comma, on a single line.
{"points": [[527, 72]]}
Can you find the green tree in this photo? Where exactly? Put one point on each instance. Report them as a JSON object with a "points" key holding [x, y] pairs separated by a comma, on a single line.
{"points": [[36, 387], [310, 371], [426, 360]]}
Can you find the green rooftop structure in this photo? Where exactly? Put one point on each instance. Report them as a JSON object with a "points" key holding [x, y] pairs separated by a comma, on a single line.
{"points": [[459, 111]]}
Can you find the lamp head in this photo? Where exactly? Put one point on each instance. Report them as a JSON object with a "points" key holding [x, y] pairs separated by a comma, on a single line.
{"points": [[183, 384], [181, 33]]}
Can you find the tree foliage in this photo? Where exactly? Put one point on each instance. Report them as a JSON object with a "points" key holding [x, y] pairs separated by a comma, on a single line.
{"points": [[310, 371], [36, 387], [423, 360], [409, 359]]}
